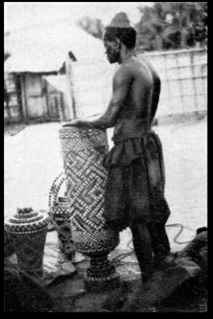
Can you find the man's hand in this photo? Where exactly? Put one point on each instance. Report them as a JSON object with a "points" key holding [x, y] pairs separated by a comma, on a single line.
{"points": [[95, 121], [72, 123]]}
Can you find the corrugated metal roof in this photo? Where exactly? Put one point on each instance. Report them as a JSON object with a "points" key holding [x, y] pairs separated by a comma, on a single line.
{"points": [[45, 48]]}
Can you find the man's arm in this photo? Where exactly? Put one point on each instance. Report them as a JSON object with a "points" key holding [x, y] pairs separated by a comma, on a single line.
{"points": [[121, 84]]}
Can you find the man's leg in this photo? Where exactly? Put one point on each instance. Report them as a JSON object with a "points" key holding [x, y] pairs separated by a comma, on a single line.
{"points": [[143, 249], [160, 241]]}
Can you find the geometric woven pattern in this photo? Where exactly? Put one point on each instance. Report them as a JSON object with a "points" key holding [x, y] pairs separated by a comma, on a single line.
{"points": [[101, 275], [60, 211], [85, 190], [83, 152], [28, 231], [26, 221], [30, 251], [60, 217], [99, 242]]}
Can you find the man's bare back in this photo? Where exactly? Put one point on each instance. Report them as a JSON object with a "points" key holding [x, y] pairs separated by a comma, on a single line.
{"points": [[142, 94]]}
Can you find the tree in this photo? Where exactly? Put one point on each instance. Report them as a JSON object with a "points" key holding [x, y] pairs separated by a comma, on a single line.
{"points": [[172, 25], [94, 27]]}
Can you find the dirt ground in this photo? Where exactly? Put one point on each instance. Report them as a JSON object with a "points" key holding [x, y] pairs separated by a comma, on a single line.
{"points": [[69, 294]]}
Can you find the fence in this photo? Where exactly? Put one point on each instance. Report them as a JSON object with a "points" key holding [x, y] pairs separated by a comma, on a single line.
{"points": [[183, 82], [30, 97]]}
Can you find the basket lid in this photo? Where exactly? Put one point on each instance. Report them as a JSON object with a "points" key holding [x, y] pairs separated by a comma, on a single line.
{"points": [[26, 221]]}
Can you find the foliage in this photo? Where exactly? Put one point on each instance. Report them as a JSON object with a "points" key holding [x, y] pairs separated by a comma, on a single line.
{"points": [[172, 25], [94, 27], [163, 26]]}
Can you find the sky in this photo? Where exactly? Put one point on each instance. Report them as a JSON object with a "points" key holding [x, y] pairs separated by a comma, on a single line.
{"points": [[20, 15]]}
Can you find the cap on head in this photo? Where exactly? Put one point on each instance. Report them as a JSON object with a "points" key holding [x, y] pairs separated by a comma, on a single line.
{"points": [[120, 20], [121, 29]]}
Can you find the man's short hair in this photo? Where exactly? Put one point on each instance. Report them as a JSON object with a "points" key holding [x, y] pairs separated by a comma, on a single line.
{"points": [[126, 35]]}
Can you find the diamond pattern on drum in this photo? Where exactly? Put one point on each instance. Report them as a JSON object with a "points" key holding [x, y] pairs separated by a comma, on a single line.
{"points": [[83, 152], [86, 189]]}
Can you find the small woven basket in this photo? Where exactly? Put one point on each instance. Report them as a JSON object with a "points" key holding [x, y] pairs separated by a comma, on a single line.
{"points": [[59, 213]]}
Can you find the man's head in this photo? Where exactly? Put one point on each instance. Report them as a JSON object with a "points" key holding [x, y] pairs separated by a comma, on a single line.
{"points": [[118, 33]]}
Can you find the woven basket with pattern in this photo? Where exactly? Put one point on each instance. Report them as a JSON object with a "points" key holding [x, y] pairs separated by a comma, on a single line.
{"points": [[59, 213]]}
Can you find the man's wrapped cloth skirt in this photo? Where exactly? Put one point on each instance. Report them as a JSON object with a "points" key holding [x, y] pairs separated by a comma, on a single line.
{"points": [[135, 183]]}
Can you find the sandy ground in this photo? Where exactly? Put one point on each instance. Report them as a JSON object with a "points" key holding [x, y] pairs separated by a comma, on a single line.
{"points": [[32, 160]]}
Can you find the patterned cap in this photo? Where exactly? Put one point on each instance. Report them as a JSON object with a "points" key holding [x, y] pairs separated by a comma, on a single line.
{"points": [[120, 20], [26, 221]]}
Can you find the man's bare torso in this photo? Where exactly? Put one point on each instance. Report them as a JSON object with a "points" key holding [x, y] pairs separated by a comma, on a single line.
{"points": [[142, 97], [136, 90]]}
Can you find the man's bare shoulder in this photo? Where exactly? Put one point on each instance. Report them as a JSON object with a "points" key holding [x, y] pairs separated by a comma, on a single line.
{"points": [[151, 67], [141, 69], [124, 73], [124, 70]]}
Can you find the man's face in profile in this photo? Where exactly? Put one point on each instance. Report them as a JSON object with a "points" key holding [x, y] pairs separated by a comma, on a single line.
{"points": [[112, 50]]}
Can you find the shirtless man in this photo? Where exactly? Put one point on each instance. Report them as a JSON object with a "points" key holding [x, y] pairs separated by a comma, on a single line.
{"points": [[135, 184]]}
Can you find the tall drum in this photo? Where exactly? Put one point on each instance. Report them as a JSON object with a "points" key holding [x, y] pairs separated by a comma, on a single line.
{"points": [[83, 151]]}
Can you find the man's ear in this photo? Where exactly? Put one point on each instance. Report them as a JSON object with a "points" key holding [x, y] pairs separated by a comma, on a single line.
{"points": [[117, 43]]}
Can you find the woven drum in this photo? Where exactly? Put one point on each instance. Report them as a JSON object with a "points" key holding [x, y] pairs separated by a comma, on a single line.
{"points": [[28, 230], [83, 151]]}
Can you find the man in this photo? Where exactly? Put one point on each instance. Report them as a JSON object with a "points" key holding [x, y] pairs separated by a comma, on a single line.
{"points": [[135, 185]]}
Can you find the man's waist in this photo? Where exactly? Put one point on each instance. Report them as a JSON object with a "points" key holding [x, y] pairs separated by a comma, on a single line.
{"points": [[120, 137], [130, 128]]}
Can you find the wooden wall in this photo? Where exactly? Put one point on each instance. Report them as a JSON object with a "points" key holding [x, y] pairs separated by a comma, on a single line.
{"points": [[31, 99]]}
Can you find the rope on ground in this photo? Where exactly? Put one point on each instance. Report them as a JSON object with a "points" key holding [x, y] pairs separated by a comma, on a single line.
{"points": [[180, 231], [118, 258]]}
